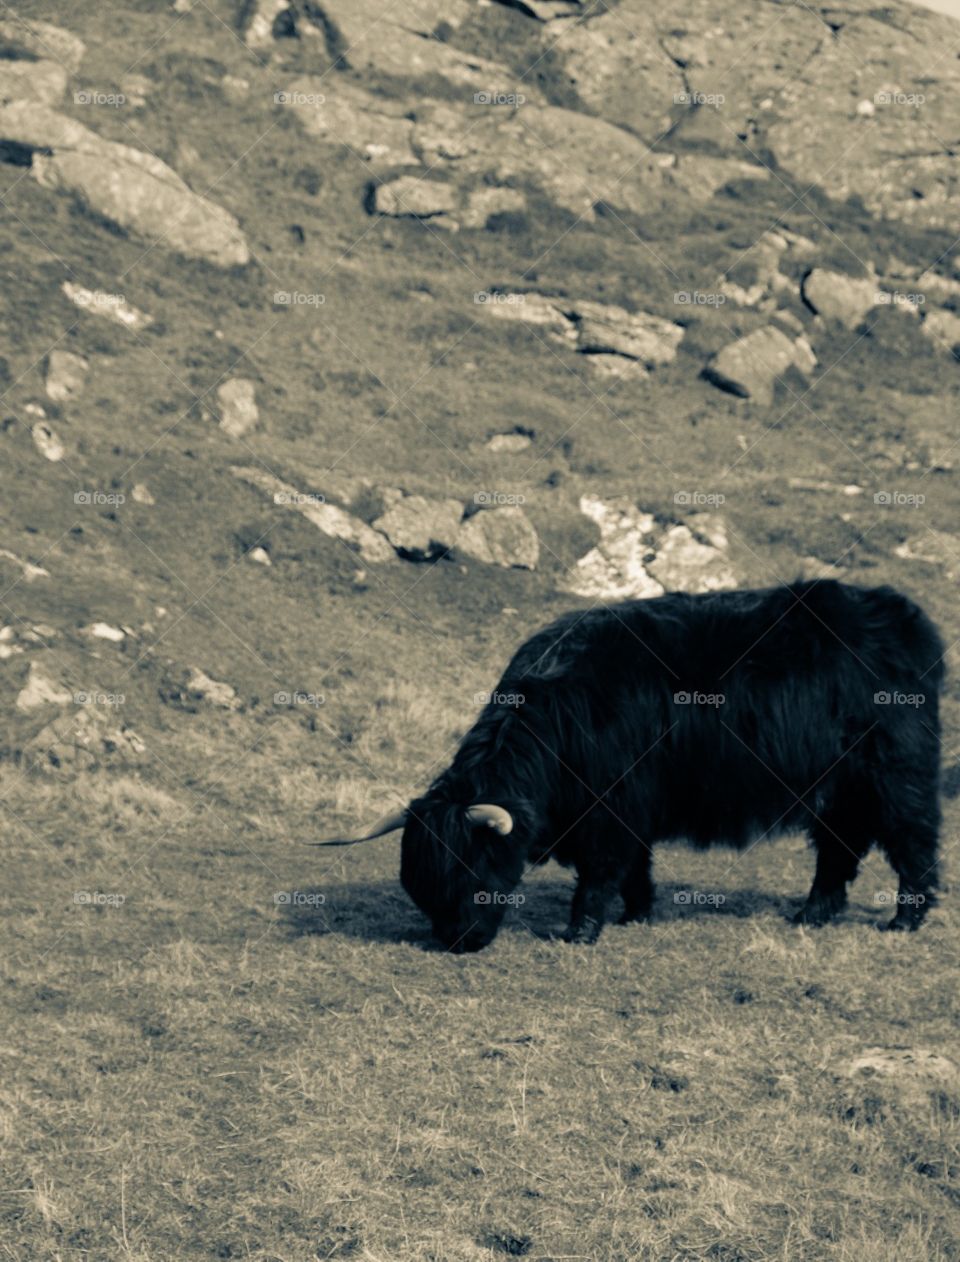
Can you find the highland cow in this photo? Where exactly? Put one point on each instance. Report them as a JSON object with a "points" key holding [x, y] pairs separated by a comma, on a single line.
{"points": [[725, 717]]}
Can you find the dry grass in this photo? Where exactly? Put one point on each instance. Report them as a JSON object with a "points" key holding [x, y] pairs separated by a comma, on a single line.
{"points": [[204, 1072]]}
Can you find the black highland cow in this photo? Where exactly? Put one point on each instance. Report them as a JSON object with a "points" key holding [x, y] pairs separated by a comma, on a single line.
{"points": [[717, 718]]}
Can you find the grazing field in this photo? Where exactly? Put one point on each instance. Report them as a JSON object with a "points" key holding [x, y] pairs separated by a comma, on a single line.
{"points": [[342, 345]]}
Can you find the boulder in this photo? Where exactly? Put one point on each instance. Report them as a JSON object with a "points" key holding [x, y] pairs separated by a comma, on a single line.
{"points": [[43, 39], [500, 536], [837, 296], [195, 688], [238, 406], [333, 521], [528, 309], [133, 189], [42, 82], [421, 529], [411, 195], [93, 737], [616, 569], [942, 328], [751, 366], [339, 112], [612, 330], [41, 690], [66, 375], [684, 564]]}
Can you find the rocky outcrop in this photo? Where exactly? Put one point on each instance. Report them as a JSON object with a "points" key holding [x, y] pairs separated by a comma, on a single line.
{"points": [[420, 529], [751, 366], [133, 189]]}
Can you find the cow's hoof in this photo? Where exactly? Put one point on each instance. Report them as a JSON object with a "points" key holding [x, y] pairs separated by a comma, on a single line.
{"points": [[817, 912], [634, 918], [900, 924], [584, 934]]}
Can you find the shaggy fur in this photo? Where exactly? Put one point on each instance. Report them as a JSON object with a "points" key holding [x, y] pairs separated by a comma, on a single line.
{"points": [[787, 727]]}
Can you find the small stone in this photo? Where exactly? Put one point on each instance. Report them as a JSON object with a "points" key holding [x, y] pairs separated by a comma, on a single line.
{"points": [[866, 109], [238, 406], [141, 494], [260, 555], [509, 443], [47, 442], [942, 328], [104, 631], [200, 686], [66, 375], [109, 306]]}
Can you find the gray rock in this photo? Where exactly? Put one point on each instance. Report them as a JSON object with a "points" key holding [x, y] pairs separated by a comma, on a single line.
{"points": [[66, 375], [684, 564], [837, 296], [47, 441], [751, 366], [942, 328], [108, 306], [93, 737], [42, 82], [610, 329], [421, 529], [43, 39], [338, 112], [333, 521], [616, 569], [132, 188], [238, 406], [509, 443], [500, 536], [41, 690], [411, 195]]}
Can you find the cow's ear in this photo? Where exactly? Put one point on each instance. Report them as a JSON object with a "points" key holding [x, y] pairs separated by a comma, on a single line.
{"points": [[496, 817]]}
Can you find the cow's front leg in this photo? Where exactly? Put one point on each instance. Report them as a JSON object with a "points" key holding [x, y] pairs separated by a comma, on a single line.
{"points": [[588, 912]]}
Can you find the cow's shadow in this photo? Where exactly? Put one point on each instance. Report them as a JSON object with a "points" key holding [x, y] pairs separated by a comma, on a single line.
{"points": [[380, 911]]}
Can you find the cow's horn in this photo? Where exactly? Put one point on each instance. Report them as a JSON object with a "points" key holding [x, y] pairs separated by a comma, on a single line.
{"points": [[389, 824], [493, 816]]}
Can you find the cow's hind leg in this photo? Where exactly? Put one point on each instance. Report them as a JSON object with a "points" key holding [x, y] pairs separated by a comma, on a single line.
{"points": [[841, 839], [636, 888], [911, 846]]}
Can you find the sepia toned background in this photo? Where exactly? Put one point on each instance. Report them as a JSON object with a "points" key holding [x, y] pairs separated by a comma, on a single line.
{"points": [[345, 343]]}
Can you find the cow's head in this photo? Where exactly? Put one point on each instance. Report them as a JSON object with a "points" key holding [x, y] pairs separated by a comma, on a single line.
{"points": [[459, 864]]}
